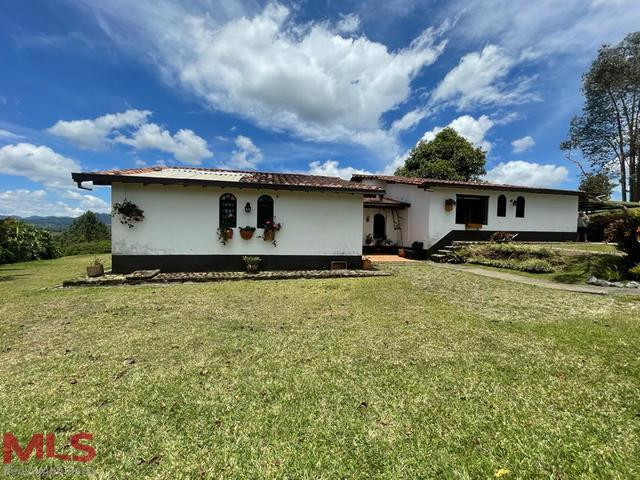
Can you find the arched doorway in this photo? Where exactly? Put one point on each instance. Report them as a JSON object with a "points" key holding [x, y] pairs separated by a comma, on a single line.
{"points": [[379, 226]]}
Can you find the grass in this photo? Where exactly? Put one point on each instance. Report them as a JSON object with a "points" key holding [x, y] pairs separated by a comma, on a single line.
{"points": [[430, 373], [587, 247]]}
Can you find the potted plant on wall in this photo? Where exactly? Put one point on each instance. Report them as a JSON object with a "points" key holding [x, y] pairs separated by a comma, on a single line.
{"points": [[449, 203], [95, 269], [247, 232], [251, 263], [270, 229], [225, 234], [128, 211]]}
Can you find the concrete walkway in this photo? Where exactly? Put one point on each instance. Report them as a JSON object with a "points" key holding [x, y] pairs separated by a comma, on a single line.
{"points": [[512, 277]]}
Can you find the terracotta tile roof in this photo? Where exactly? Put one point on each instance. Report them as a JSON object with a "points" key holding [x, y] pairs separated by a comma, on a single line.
{"points": [[383, 202], [476, 184], [216, 176]]}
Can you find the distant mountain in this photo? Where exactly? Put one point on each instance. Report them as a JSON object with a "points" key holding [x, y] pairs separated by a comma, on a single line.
{"points": [[57, 224]]}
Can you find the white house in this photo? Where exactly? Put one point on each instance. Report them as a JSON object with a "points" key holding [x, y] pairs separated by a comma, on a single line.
{"points": [[183, 209], [436, 212]]}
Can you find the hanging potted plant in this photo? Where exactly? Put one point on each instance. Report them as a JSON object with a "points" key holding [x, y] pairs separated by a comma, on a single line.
{"points": [[247, 232], [270, 229], [128, 211], [449, 203], [251, 263], [225, 234]]}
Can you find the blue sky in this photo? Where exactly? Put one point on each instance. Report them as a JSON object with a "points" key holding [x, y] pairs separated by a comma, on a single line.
{"points": [[320, 87]]}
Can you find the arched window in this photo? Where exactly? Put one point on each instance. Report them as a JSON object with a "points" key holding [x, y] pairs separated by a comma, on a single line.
{"points": [[520, 207], [502, 206], [379, 226], [265, 210], [227, 210]]}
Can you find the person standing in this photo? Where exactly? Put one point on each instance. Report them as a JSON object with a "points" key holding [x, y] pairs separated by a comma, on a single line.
{"points": [[583, 222]]}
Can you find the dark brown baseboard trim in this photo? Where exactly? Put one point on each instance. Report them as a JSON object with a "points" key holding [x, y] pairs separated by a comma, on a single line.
{"points": [[228, 263]]}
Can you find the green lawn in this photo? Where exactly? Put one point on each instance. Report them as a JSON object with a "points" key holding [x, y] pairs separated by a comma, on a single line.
{"points": [[430, 373], [587, 247]]}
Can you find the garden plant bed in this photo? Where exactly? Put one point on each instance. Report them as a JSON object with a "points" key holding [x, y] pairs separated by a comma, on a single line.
{"points": [[182, 277], [542, 261]]}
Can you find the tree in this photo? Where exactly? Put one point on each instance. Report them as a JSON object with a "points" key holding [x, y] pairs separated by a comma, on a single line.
{"points": [[88, 228], [608, 130], [20, 242], [448, 156], [596, 185]]}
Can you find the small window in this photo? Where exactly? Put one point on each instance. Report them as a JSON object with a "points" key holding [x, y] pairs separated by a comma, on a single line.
{"points": [[502, 206], [520, 207], [227, 211], [265, 210]]}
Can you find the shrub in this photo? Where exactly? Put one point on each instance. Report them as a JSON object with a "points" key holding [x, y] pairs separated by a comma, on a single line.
{"points": [[598, 223], [625, 231], [20, 242], [634, 272], [83, 248]]}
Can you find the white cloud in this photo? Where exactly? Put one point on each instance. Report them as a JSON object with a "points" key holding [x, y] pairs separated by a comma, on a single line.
{"points": [[348, 23], [6, 134], [576, 27], [478, 79], [94, 133], [185, 145], [306, 79], [468, 127], [522, 144], [37, 163], [409, 120], [527, 174], [246, 156], [25, 203], [331, 168], [86, 201]]}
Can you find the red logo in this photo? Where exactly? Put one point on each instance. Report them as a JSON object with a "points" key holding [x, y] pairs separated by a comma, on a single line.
{"points": [[45, 445]]}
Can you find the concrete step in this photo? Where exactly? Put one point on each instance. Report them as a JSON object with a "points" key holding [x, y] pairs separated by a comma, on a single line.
{"points": [[438, 257]]}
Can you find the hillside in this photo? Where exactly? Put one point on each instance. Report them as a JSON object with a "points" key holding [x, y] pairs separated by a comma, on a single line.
{"points": [[58, 223]]}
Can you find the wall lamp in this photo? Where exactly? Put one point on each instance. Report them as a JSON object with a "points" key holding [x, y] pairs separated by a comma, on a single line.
{"points": [[247, 208]]}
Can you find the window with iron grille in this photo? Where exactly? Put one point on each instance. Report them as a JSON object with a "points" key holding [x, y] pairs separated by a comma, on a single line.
{"points": [[227, 211]]}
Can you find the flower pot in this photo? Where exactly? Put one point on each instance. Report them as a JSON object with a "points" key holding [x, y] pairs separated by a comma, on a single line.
{"points": [[401, 252], [246, 234], [269, 235], [252, 268], [366, 264], [95, 270], [229, 233]]}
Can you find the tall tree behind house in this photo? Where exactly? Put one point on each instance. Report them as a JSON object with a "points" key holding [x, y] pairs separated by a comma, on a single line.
{"points": [[607, 132]]}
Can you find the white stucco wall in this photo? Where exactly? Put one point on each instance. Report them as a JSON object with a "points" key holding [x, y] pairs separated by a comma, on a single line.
{"points": [[427, 221], [184, 221], [396, 236], [543, 212]]}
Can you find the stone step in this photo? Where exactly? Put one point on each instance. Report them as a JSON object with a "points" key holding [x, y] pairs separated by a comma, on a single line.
{"points": [[442, 251], [438, 257]]}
